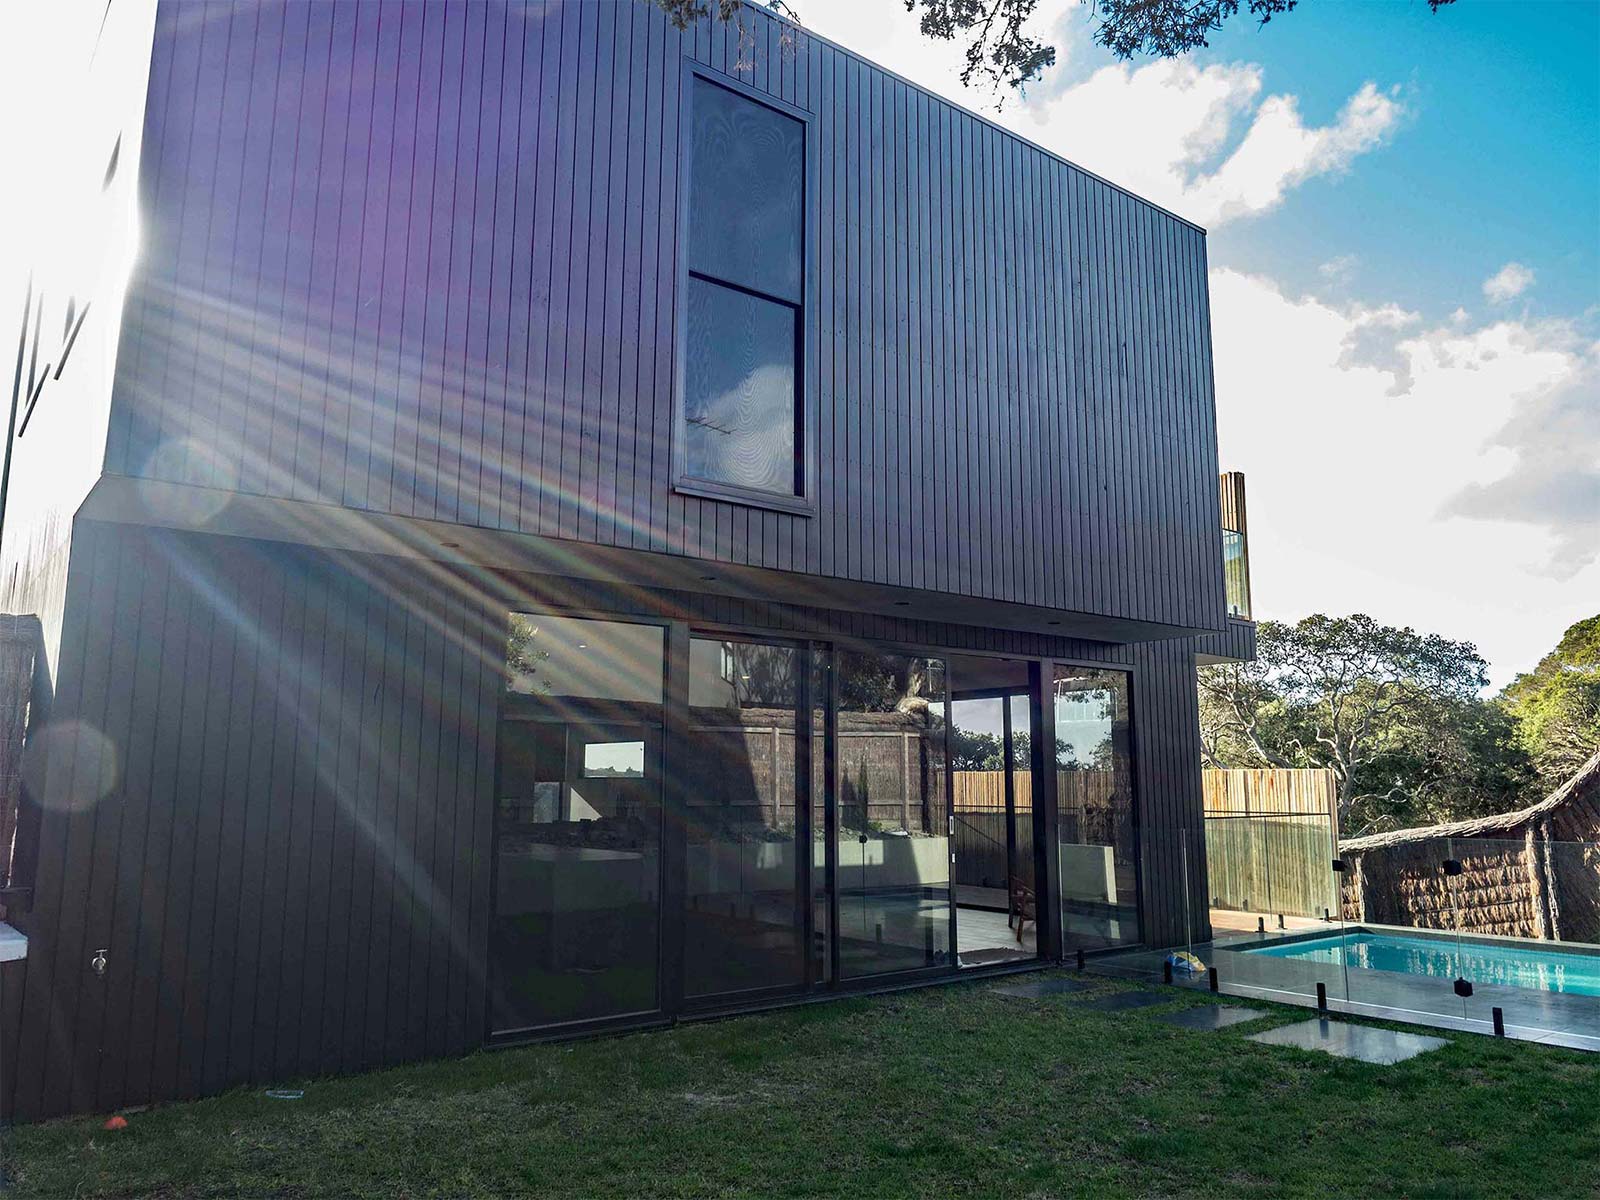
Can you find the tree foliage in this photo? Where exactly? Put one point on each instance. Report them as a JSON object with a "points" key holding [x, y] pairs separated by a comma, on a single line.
{"points": [[976, 750], [1557, 705], [1394, 713], [1000, 50]]}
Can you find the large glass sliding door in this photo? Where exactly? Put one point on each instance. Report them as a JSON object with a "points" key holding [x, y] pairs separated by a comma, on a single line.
{"points": [[891, 787], [578, 820], [744, 908], [1098, 846], [991, 739], [804, 836]]}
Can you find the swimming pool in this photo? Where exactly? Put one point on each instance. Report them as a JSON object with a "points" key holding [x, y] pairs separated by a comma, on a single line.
{"points": [[1481, 962]]}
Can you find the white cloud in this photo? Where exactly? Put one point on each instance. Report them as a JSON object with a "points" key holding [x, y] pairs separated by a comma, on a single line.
{"points": [[1163, 130], [1509, 282], [1339, 267], [1445, 476]]}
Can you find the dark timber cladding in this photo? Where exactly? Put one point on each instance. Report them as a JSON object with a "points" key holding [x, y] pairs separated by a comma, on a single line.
{"points": [[422, 259], [406, 333], [287, 867], [291, 871]]}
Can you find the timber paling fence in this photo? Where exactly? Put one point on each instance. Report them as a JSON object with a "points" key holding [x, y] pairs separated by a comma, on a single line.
{"points": [[1270, 839]]}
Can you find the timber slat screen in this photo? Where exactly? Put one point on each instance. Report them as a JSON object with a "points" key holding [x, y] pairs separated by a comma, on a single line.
{"points": [[1270, 836]]}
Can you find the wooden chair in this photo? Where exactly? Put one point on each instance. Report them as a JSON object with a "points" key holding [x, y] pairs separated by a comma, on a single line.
{"points": [[1023, 908]]}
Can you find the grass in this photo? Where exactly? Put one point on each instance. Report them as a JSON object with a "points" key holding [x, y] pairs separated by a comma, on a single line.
{"points": [[950, 1091]]}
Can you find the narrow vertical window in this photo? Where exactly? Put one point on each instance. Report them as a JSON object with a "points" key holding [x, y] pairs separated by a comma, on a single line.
{"points": [[742, 416]]}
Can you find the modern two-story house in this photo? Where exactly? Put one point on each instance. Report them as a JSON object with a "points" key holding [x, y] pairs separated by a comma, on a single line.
{"points": [[541, 522]]}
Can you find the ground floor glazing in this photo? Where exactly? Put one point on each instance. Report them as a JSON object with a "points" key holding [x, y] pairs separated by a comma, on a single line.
{"points": [[696, 818]]}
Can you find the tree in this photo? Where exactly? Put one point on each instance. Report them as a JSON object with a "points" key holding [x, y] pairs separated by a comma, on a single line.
{"points": [[1557, 705], [1390, 711], [975, 750], [1001, 51]]}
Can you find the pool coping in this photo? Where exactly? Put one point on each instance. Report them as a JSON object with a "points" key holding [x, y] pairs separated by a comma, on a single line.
{"points": [[1528, 1014]]}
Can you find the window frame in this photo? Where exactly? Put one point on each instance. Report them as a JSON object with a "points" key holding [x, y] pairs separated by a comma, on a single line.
{"points": [[683, 482]]}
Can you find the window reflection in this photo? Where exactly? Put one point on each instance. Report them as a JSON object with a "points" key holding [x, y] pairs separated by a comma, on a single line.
{"points": [[740, 414], [1094, 781], [747, 188], [745, 915], [739, 396], [893, 813], [577, 822]]}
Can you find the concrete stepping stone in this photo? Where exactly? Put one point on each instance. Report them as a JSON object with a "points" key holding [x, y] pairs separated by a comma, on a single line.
{"points": [[1036, 988], [1122, 1001], [1210, 1016], [1381, 1046]]}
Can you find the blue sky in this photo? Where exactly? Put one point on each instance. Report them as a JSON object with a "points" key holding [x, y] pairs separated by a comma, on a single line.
{"points": [[1499, 159], [1404, 234], [1403, 212]]}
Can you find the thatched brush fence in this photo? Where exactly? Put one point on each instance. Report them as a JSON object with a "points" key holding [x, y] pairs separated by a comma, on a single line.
{"points": [[1532, 873]]}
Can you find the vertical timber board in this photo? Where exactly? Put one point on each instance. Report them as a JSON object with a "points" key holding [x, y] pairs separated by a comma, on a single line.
{"points": [[1009, 361], [243, 870]]}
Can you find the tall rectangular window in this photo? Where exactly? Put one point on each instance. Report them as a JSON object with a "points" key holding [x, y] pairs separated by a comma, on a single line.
{"points": [[574, 934], [741, 420], [1099, 886], [744, 913], [893, 816]]}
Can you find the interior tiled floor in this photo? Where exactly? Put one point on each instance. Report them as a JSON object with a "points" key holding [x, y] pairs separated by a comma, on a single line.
{"points": [[983, 934]]}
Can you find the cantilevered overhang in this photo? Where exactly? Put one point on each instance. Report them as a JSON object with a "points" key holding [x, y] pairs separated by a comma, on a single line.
{"points": [[127, 500], [1236, 643]]}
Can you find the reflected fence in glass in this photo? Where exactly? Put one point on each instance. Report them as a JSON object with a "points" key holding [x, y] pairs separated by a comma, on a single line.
{"points": [[892, 786], [1098, 845]]}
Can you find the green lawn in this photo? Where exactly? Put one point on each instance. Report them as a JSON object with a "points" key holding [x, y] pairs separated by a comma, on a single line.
{"points": [[949, 1091]]}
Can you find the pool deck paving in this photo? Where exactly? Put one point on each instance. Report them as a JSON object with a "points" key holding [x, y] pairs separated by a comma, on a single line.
{"points": [[1528, 1014]]}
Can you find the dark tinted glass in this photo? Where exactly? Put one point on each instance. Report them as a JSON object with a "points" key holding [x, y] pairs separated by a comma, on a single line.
{"points": [[744, 925], [746, 192], [1094, 782], [577, 822], [893, 814], [739, 381]]}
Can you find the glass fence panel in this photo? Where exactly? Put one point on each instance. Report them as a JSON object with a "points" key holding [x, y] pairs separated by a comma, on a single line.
{"points": [[1467, 933]]}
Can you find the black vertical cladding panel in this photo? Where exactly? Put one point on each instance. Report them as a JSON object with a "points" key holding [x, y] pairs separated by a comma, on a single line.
{"points": [[261, 684], [344, 938], [494, 157], [628, 161], [301, 941], [380, 757], [364, 218], [217, 924], [75, 877], [404, 667], [286, 865], [469, 432], [185, 710], [256, 879], [438, 837], [195, 915], [125, 983]]}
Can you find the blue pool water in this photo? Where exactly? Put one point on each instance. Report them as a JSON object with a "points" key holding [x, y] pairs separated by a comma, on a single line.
{"points": [[1481, 962]]}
